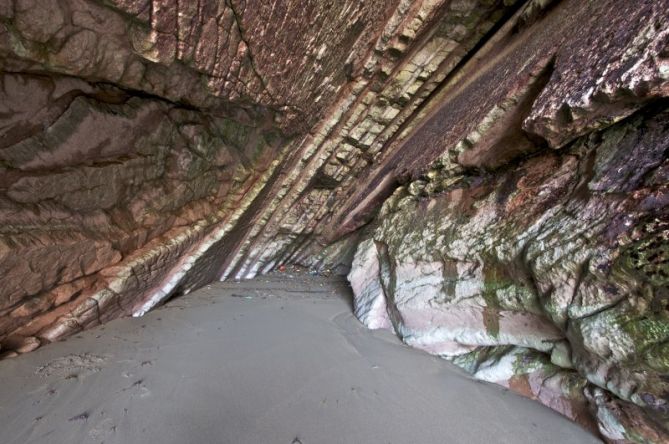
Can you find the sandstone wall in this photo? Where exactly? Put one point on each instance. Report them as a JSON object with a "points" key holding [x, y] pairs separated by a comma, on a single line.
{"points": [[527, 241], [549, 277], [150, 147], [139, 140], [500, 167]]}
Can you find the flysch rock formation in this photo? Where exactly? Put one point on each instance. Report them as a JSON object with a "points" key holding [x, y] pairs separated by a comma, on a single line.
{"points": [[494, 173]]}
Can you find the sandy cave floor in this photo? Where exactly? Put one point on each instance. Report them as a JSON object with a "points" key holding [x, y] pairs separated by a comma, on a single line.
{"points": [[278, 359]]}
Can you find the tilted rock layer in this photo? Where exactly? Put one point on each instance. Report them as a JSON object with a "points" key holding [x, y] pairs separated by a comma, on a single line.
{"points": [[499, 168], [532, 250], [549, 277]]}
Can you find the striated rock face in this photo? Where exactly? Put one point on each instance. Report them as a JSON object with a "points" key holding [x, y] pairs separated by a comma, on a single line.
{"points": [[150, 147], [102, 192], [529, 245], [139, 140], [549, 277], [499, 169]]}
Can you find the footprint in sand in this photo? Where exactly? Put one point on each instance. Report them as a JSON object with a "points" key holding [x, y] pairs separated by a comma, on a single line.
{"points": [[82, 417], [103, 429], [138, 389]]}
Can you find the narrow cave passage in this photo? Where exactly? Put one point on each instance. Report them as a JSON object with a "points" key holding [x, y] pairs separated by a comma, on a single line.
{"points": [[276, 359], [493, 175]]}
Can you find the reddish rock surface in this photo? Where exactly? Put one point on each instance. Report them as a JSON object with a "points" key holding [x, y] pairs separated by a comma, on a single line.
{"points": [[144, 143], [149, 147]]}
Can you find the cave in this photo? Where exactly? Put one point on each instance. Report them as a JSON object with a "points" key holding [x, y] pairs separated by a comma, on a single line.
{"points": [[351, 221]]}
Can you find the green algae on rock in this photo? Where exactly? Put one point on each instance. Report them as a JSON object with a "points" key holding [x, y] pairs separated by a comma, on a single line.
{"points": [[541, 270]]}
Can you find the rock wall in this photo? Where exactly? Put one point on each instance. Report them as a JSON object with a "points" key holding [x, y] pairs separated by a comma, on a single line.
{"points": [[549, 277], [500, 167], [150, 147], [140, 139], [102, 192], [528, 240]]}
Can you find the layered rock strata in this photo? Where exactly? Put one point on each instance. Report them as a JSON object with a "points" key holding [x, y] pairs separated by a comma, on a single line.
{"points": [[549, 277], [151, 147], [528, 242], [498, 167], [139, 140]]}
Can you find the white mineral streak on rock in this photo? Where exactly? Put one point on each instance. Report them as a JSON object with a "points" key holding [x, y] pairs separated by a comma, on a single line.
{"points": [[369, 301], [499, 371], [182, 268], [417, 283], [608, 423]]}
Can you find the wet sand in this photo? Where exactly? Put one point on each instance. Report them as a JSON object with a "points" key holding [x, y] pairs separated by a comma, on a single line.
{"points": [[279, 359]]}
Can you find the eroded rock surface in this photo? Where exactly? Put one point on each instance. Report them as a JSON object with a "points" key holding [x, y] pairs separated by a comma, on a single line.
{"points": [[139, 141], [549, 277], [530, 256], [150, 147], [499, 166]]}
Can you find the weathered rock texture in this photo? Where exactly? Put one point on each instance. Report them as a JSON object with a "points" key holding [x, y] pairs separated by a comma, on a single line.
{"points": [[529, 244], [140, 140], [148, 148], [500, 167], [549, 277]]}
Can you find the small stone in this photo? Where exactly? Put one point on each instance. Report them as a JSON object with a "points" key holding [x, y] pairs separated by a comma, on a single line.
{"points": [[561, 355], [417, 188]]}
